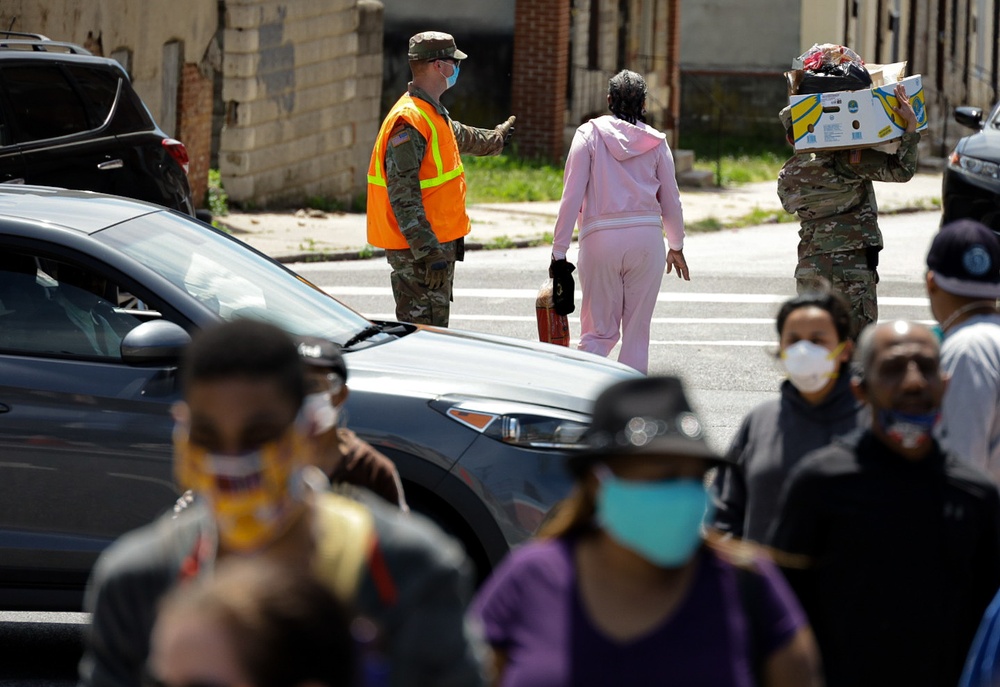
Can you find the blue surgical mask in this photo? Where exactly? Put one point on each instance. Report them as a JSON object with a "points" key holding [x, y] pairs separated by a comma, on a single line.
{"points": [[660, 521], [454, 75], [911, 430]]}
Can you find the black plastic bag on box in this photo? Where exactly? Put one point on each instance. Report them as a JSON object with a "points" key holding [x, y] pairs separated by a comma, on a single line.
{"points": [[847, 76]]}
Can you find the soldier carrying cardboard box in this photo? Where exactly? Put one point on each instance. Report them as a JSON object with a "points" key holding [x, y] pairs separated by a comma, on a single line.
{"points": [[831, 192]]}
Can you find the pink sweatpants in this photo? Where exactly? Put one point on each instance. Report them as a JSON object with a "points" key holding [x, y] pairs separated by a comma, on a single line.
{"points": [[620, 273]]}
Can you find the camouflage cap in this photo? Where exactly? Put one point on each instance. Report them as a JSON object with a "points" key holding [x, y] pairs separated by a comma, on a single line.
{"points": [[430, 45]]}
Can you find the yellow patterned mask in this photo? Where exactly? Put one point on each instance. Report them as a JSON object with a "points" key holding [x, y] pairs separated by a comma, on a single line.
{"points": [[253, 494]]}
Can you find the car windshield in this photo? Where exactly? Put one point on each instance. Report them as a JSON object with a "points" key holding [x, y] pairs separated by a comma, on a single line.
{"points": [[231, 280]]}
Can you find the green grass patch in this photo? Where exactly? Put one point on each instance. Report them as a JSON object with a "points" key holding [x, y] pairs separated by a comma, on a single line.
{"points": [[324, 204], [499, 243], [704, 225], [217, 198], [754, 218], [737, 159], [507, 179], [544, 240]]}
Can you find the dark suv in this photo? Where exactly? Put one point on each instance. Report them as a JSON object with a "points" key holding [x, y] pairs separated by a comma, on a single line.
{"points": [[70, 119], [971, 184]]}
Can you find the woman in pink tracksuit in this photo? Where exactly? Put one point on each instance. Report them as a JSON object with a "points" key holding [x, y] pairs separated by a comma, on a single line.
{"points": [[619, 186]]}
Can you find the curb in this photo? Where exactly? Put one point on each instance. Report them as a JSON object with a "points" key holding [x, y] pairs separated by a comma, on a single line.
{"points": [[378, 252], [343, 256]]}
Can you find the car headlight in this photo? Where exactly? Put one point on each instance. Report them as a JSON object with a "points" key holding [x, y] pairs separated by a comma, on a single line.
{"points": [[973, 165], [520, 424]]}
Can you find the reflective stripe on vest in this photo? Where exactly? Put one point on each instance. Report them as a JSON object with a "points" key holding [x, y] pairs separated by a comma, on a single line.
{"points": [[378, 179]]}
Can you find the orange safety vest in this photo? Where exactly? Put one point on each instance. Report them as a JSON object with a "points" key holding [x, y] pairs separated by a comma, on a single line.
{"points": [[442, 178]]}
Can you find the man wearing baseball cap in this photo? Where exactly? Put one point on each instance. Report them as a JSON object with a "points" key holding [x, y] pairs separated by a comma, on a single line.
{"points": [[340, 453], [963, 284], [416, 183]]}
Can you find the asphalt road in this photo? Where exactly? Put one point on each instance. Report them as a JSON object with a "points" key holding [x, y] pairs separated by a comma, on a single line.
{"points": [[716, 332]]}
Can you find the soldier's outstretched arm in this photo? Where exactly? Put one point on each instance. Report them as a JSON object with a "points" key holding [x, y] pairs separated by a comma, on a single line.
{"points": [[403, 156], [474, 141]]}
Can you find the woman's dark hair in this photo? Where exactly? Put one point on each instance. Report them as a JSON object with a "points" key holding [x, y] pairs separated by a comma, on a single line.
{"points": [[627, 91], [824, 299]]}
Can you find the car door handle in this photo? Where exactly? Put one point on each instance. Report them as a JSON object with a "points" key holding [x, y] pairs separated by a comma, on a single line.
{"points": [[110, 164], [4, 408]]}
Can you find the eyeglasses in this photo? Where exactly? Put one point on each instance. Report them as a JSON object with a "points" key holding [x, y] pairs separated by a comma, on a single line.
{"points": [[450, 61]]}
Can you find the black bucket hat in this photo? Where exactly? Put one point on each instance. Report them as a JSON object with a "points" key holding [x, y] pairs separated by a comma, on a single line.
{"points": [[643, 416]]}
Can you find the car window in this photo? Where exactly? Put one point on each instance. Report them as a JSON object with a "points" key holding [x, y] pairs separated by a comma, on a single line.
{"points": [[230, 279], [101, 90], [43, 103], [48, 307]]}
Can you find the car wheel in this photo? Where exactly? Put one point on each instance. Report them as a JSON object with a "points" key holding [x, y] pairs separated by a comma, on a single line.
{"points": [[444, 516]]}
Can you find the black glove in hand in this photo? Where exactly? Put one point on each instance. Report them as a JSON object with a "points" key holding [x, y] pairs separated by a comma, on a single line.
{"points": [[506, 130], [435, 269], [563, 286]]}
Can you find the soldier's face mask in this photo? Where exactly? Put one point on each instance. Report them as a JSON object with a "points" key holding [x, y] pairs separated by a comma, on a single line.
{"points": [[254, 495], [450, 80]]}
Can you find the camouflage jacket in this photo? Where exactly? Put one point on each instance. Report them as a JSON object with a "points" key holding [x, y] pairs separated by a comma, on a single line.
{"points": [[402, 170], [832, 194]]}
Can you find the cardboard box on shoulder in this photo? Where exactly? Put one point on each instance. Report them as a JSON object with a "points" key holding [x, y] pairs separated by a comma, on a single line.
{"points": [[854, 119]]}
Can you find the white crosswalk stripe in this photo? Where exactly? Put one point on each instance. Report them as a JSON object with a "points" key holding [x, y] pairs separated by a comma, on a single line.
{"points": [[664, 297]]}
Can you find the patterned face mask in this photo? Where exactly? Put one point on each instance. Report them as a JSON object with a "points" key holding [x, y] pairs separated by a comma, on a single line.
{"points": [[252, 494]]}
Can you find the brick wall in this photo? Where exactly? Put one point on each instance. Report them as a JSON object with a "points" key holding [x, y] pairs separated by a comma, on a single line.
{"points": [[194, 127], [541, 63]]}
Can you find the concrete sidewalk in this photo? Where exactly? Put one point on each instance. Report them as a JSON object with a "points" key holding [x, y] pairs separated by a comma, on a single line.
{"points": [[309, 235]]}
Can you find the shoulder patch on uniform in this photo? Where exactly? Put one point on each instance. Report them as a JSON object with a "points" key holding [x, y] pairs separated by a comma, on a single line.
{"points": [[855, 157], [400, 138]]}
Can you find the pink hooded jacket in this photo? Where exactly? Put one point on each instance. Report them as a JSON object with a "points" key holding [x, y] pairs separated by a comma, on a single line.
{"points": [[618, 175]]}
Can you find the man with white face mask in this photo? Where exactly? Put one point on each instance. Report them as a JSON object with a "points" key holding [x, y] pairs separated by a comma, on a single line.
{"points": [[340, 453], [891, 544], [239, 444]]}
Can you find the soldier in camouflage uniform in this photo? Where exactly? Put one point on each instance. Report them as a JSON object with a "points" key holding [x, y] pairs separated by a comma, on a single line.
{"points": [[832, 194], [422, 253]]}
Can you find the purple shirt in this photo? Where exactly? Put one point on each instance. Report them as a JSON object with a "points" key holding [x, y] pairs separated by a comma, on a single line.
{"points": [[531, 608]]}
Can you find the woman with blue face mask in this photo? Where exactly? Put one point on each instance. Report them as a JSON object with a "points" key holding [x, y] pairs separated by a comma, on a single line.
{"points": [[815, 406], [620, 587]]}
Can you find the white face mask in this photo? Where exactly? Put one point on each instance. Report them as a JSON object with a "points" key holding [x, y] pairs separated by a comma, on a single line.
{"points": [[318, 414], [810, 367]]}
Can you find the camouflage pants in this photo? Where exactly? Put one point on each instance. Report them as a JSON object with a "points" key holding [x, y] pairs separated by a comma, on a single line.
{"points": [[847, 273], [414, 301]]}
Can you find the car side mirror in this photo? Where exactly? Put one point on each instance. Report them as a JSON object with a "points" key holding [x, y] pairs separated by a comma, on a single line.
{"points": [[971, 117], [157, 342]]}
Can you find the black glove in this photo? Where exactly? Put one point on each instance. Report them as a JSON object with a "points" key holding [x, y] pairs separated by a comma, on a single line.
{"points": [[435, 269], [563, 286]]}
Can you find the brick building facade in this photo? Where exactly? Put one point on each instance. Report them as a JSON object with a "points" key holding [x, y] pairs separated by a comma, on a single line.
{"points": [[583, 43], [541, 65]]}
